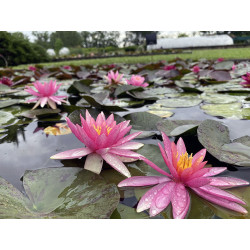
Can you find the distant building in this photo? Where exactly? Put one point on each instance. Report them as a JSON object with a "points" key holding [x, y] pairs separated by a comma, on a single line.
{"points": [[186, 42], [51, 52]]}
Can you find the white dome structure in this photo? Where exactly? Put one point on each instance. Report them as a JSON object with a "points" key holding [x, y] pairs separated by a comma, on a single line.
{"points": [[187, 42], [64, 51], [51, 52]]}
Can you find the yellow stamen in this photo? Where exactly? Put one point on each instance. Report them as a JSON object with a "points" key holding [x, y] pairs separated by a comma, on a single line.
{"points": [[98, 129], [108, 129], [184, 162]]}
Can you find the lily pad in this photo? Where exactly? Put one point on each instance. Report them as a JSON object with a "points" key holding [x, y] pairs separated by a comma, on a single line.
{"points": [[39, 113], [227, 110], [59, 193], [5, 117], [226, 65], [178, 127], [153, 153], [124, 88], [10, 102], [82, 86], [213, 135], [143, 120], [101, 106], [178, 102], [125, 212]]}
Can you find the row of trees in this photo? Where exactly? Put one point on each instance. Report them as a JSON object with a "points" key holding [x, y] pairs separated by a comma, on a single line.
{"points": [[15, 49], [86, 39]]}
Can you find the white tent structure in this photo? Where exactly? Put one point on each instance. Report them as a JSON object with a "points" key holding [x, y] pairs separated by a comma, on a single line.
{"points": [[51, 52], [186, 42]]}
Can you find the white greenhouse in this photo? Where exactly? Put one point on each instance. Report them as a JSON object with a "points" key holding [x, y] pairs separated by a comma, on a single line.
{"points": [[187, 42], [51, 52], [64, 51]]}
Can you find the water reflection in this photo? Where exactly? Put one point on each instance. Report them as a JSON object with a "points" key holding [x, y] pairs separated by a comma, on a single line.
{"points": [[32, 151]]}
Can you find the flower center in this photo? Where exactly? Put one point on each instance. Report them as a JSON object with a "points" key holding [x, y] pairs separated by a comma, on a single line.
{"points": [[99, 129], [184, 162]]}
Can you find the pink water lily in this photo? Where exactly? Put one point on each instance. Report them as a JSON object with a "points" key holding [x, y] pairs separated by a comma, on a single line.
{"points": [[103, 140], [32, 68], [196, 69], [137, 80], [234, 67], [114, 78], [6, 81], [186, 171], [45, 94], [246, 84], [169, 67], [67, 67], [221, 59]]}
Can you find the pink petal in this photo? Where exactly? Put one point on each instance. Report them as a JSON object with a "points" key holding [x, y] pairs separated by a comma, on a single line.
{"points": [[220, 201], [152, 165], [198, 182], [221, 193], [181, 148], [127, 138], [51, 104], [198, 158], [214, 171], [227, 182], [137, 181], [101, 141], [115, 162], [94, 163], [126, 153], [32, 92], [168, 162], [180, 201], [167, 145], [130, 145], [162, 198], [72, 154], [43, 101], [146, 199]]}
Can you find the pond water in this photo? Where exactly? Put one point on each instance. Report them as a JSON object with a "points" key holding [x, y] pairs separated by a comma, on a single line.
{"points": [[24, 145]]}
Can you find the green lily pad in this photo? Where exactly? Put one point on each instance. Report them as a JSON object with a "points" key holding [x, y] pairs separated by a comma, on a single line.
{"points": [[39, 113], [143, 121], [124, 88], [59, 193], [226, 65], [178, 102], [153, 153], [125, 212], [10, 102], [82, 86], [213, 135], [218, 98], [227, 110], [5, 117], [178, 127], [98, 105]]}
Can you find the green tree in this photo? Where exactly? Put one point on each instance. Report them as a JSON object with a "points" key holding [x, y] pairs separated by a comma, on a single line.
{"points": [[42, 38], [17, 49], [69, 38], [58, 45]]}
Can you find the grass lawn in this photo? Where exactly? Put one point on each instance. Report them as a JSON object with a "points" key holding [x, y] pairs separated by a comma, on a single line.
{"points": [[233, 53]]}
